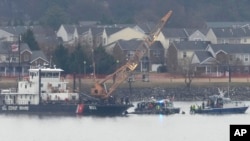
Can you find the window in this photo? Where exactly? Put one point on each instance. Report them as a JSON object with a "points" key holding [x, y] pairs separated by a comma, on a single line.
{"points": [[246, 58], [156, 53], [130, 54], [184, 54]]}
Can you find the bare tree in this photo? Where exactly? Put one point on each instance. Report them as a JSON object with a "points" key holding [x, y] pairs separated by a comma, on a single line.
{"points": [[187, 70]]}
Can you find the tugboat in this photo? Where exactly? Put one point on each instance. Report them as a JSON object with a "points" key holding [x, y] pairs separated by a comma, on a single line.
{"points": [[218, 104], [44, 92], [152, 106]]}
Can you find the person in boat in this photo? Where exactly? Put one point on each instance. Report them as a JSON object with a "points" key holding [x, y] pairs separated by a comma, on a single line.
{"points": [[127, 100], [203, 105]]}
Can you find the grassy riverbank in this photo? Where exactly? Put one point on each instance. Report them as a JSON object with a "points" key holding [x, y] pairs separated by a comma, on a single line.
{"points": [[164, 83]]}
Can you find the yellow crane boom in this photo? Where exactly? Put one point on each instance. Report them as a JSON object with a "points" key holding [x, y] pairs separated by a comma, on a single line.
{"points": [[100, 89]]}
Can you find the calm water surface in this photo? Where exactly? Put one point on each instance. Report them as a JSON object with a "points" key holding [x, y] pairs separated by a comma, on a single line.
{"points": [[179, 127]]}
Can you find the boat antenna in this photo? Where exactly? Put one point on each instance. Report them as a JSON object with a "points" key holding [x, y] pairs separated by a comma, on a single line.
{"points": [[93, 63]]}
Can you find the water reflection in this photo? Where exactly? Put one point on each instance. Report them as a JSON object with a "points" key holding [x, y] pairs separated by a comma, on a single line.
{"points": [[180, 127]]}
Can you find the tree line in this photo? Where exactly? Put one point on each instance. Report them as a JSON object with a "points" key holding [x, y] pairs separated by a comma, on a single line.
{"points": [[187, 13], [82, 60]]}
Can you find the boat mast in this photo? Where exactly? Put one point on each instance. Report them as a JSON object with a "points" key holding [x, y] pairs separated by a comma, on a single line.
{"points": [[39, 85], [229, 80]]}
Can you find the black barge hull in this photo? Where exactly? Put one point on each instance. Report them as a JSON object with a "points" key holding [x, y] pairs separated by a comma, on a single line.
{"points": [[67, 109]]}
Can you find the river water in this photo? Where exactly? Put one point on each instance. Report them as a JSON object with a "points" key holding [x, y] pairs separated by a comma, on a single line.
{"points": [[179, 127]]}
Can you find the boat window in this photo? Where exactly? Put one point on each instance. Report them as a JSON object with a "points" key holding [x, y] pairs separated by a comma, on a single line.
{"points": [[55, 75], [59, 85], [49, 74], [25, 86], [43, 74]]}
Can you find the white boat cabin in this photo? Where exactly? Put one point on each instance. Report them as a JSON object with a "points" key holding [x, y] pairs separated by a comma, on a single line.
{"points": [[53, 88]]}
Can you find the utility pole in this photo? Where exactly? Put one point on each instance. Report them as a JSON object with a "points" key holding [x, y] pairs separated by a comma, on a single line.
{"points": [[19, 55]]}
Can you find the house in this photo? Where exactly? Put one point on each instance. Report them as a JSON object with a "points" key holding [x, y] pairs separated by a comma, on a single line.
{"points": [[146, 29], [179, 54], [38, 58], [196, 34], [68, 34], [157, 56], [226, 24], [11, 65], [237, 56], [174, 34], [127, 33], [229, 35], [11, 33], [124, 50], [205, 64], [153, 58]]}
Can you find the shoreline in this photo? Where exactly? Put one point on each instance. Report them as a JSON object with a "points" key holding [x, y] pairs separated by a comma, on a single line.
{"points": [[161, 88]]}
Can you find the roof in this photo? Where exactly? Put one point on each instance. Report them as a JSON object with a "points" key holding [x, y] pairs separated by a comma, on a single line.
{"points": [[191, 45], [69, 28], [231, 48], [174, 33], [96, 30], [82, 29], [16, 30], [190, 31], [38, 54], [147, 26], [202, 55], [231, 32], [157, 45], [45, 69], [226, 24], [111, 31]]}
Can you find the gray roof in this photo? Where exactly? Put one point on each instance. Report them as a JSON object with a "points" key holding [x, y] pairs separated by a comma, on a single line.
{"points": [[69, 28], [231, 48], [132, 44], [203, 55], [190, 31], [96, 30], [147, 26], [174, 33], [111, 31], [38, 54], [82, 29], [157, 45], [231, 32], [226, 24], [191, 45], [16, 30]]}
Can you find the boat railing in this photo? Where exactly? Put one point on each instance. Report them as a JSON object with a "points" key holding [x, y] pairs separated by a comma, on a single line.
{"points": [[8, 91]]}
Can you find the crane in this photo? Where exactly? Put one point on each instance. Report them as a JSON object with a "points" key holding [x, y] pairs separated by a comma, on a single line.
{"points": [[100, 88]]}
